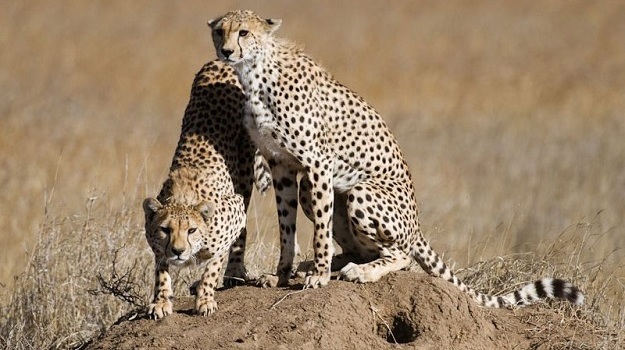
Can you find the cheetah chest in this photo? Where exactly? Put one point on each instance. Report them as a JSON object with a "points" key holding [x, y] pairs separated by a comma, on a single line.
{"points": [[263, 130]]}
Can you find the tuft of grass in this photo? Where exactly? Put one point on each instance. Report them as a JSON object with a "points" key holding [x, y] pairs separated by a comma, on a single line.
{"points": [[51, 305], [121, 284], [568, 258]]}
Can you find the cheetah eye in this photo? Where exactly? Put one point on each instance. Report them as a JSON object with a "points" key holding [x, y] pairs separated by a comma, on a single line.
{"points": [[166, 230], [243, 32], [192, 230], [219, 32]]}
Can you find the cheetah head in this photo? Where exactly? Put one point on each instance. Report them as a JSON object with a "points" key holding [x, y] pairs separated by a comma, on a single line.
{"points": [[239, 35], [175, 230]]}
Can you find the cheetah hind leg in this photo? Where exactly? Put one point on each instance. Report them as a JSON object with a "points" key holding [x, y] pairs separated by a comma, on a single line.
{"points": [[236, 274], [373, 271], [376, 234]]}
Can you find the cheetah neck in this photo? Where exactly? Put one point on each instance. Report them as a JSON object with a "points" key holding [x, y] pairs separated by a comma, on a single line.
{"points": [[254, 74], [188, 186], [258, 77]]}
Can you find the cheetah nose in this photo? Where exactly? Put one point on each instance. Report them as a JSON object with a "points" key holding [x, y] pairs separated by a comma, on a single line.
{"points": [[226, 52], [177, 251]]}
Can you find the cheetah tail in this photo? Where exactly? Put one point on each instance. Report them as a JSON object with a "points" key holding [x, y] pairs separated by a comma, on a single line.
{"points": [[546, 288], [262, 173]]}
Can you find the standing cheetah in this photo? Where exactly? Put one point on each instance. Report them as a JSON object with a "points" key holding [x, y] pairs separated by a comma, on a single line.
{"points": [[356, 186], [199, 213]]}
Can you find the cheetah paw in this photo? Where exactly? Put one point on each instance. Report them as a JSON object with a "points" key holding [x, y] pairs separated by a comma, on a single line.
{"points": [[160, 309], [268, 281], [317, 280], [352, 273], [235, 275], [230, 282], [205, 306]]}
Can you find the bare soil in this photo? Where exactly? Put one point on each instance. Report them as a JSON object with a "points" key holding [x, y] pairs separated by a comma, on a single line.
{"points": [[403, 310]]}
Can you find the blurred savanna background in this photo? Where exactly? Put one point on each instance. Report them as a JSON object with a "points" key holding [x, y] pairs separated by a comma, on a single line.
{"points": [[511, 116]]}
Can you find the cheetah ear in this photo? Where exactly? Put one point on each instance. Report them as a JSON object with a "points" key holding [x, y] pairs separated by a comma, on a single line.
{"points": [[272, 24], [212, 22], [151, 206], [206, 210]]}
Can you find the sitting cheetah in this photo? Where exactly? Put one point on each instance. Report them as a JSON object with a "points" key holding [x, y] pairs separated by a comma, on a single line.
{"points": [[200, 211], [356, 186]]}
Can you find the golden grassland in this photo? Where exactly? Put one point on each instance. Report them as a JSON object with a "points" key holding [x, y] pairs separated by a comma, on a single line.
{"points": [[510, 114]]}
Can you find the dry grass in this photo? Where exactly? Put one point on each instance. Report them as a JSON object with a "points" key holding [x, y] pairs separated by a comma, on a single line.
{"points": [[511, 116]]}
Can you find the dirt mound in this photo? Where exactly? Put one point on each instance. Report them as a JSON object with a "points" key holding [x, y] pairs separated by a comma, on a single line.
{"points": [[407, 308]]}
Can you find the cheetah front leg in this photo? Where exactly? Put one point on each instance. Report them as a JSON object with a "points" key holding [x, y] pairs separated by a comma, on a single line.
{"points": [[285, 186], [352, 251], [161, 306], [205, 303], [322, 203]]}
